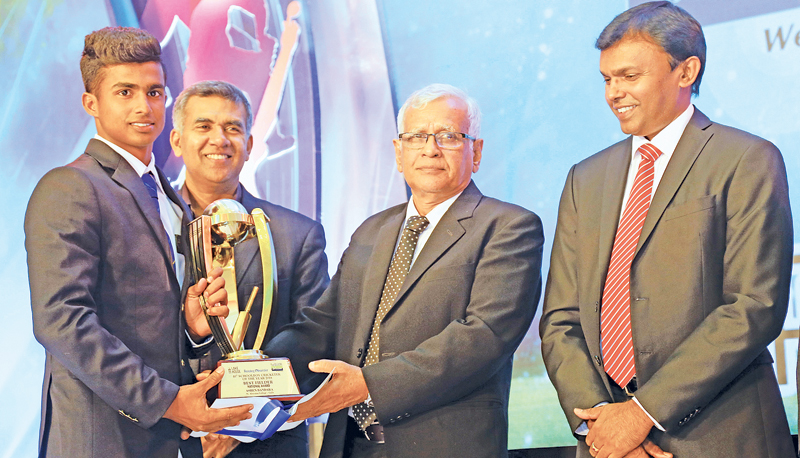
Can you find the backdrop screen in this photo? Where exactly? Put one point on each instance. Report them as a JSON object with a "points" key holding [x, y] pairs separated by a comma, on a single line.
{"points": [[532, 67]]}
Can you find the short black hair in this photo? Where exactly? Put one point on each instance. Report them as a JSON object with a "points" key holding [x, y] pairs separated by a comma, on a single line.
{"points": [[667, 25], [113, 46]]}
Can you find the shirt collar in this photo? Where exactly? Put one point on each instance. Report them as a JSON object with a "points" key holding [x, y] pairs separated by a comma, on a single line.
{"points": [[667, 140], [435, 214], [138, 166]]}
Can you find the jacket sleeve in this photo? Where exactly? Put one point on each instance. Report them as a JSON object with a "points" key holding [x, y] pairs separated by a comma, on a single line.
{"points": [[64, 243], [566, 355]]}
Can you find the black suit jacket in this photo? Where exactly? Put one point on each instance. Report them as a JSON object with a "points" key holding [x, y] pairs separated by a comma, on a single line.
{"points": [[107, 308], [442, 384], [302, 277]]}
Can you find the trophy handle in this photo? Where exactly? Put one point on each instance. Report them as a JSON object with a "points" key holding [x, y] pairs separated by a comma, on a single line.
{"points": [[200, 246], [269, 271]]}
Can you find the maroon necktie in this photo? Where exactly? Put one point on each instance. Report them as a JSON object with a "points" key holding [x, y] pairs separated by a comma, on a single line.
{"points": [[615, 314]]}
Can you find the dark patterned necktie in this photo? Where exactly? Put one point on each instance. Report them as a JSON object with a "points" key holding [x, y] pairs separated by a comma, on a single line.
{"points": [[615, 314], [401, 262], [152, 189]]}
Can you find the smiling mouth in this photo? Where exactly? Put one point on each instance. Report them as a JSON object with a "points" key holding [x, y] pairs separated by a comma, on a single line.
{"points": [[218, 156], [142, 124], [623, 110]]}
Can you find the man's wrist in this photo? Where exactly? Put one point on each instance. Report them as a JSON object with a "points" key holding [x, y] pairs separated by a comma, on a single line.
{"points": [[647, 414]]}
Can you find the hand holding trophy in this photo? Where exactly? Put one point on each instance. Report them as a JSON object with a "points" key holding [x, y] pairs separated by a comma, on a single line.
{"points": [[212, 237]]}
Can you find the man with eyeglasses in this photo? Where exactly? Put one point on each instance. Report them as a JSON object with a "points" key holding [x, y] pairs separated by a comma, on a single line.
{"points": [[429, 302]]}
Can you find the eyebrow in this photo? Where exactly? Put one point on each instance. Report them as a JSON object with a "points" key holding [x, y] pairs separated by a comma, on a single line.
{"points": [[621, 71], [234, 122], [438, 128], [126, 85]]}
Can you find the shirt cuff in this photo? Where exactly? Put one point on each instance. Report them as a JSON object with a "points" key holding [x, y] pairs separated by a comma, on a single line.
{"points": [[201, 344], [658, 425], [583, 428]]}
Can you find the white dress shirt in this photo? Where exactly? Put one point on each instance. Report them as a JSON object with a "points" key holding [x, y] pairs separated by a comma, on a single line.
{"points": [[434, 216]]}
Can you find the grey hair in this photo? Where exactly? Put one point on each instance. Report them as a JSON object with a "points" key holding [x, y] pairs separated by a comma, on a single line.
{"points": [[427, 94], [208, 89], [667, 25]]}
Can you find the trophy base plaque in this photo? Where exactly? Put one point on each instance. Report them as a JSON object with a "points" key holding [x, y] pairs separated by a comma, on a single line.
{"points": [[249, 373]]}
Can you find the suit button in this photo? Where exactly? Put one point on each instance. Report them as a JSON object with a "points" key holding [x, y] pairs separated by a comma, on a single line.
{"points": [[359, 353]]}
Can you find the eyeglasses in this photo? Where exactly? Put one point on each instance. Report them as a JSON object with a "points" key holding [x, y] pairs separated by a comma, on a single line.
{"points": [[448, 140]]}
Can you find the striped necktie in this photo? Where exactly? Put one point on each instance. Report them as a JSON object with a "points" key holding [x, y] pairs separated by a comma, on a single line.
{"points": [[615, 314], [152, 189]]}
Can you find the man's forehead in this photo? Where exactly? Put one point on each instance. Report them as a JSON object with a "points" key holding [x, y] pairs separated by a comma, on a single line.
{"points": [[148, 74], [629, 53], [215, 107], [444, 113]]}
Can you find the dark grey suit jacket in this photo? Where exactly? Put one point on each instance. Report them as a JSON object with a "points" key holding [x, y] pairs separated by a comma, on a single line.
{"points": [[302, 278], [107, 308], [441, 386], [709, 292]]}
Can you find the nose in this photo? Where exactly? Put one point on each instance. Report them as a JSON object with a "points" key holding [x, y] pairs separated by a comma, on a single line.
{"points": [[431, 147], [217, 136], [143, 103], [614, 90]]}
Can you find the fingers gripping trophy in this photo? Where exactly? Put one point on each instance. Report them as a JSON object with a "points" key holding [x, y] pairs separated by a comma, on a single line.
{"points": [[213, 236]]}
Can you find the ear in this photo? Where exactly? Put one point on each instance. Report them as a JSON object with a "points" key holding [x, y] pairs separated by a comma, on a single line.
{"points": [[477, 149], [249, 148], [690, 68], [398, 154], [175, 142], [89, 102]]}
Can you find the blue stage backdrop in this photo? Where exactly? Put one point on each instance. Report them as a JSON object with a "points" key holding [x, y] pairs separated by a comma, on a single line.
{"points": [[327, 79]]}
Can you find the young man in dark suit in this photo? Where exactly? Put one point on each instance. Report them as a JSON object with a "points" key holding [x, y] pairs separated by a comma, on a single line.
{"points": [[212, 122], [105, 263]]}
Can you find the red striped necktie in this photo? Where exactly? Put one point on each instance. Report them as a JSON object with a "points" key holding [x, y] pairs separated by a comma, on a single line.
{"points": [[615, 314]]}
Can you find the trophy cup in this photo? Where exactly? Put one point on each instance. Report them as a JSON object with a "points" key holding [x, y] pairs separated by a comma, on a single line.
{"points": [[212, 237]]}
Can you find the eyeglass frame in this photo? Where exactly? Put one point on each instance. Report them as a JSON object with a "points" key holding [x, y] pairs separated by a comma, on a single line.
{"points": [[428, 136]]}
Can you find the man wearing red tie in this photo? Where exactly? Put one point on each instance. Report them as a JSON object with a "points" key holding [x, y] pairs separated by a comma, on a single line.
{"points": [[670, 266]]}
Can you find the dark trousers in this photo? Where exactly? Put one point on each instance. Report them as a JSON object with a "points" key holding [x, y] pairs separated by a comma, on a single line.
{"points": [[356, 444]]}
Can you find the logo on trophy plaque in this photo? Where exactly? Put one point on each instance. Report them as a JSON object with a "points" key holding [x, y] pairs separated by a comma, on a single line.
{"points": [[212, 237]]}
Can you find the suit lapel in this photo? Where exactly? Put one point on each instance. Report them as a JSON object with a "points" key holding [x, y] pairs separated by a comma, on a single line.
{"points": [[377, 269], [614, 180], [692, 141], [444, 235], [130, 180]]}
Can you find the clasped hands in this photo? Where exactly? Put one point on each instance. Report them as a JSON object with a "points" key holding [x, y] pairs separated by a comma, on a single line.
{"points": [[619, 431]]}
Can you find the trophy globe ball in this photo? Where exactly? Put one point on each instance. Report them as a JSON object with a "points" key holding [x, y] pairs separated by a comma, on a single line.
{"points": [[231, 221]]}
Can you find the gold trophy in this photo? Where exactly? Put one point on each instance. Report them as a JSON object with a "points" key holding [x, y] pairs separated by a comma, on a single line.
{"points": [[212, 237]]}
